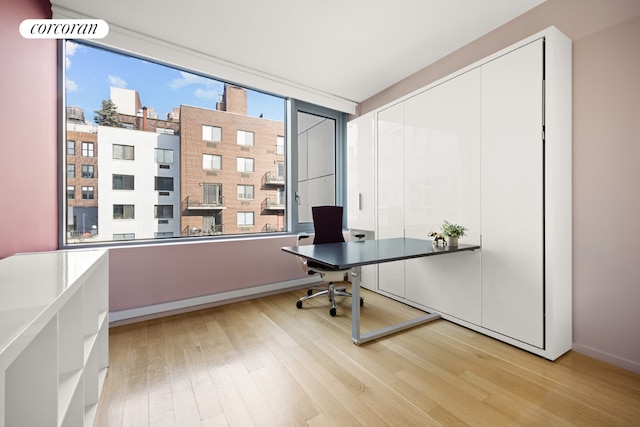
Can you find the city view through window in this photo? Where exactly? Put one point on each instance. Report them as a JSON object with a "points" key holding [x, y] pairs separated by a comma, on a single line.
{"points": [[153, 152]]}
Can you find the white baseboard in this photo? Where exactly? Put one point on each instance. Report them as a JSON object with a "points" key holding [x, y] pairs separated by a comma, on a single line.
{"points": [[621, 362], [190, 304]]}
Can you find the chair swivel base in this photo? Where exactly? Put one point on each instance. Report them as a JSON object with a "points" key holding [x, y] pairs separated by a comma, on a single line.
{"points": [[331, 291]]}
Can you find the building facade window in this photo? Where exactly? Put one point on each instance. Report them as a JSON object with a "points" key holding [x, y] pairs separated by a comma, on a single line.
{"points": [[245, 164], [164, 183], [123, 152], [211, 162], [88, 171], [71, 171], [211, 133], [88, 193], [123, 182], [163, 211], [245, 138], [164, 155], [71, 192], [162, 234], [280, 145], [212, 194], [71, 148], [245, 192], [87, 149], [124, 211], [245, 219], [124, 236]]}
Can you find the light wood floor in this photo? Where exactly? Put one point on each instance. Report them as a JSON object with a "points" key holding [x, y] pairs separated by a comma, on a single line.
{"points": [[265, 363]]}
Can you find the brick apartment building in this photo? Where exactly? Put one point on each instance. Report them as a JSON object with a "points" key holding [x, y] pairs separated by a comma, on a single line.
{"points": [[231, 166], [232, 169], [82, 175]]}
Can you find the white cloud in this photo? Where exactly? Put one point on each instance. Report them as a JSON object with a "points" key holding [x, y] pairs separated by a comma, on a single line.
{"points": [[70, 49], [206, 94], [187, 79], [117, 81], [71, 86]]}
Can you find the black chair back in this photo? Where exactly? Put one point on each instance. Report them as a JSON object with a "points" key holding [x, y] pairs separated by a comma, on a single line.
{"points": [[327, 222]]}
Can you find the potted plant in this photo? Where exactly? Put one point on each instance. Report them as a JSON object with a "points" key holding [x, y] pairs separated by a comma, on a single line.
{"points": [[452, 232]]}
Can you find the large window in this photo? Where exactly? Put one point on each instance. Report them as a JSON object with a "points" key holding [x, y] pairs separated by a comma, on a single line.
{"points": [[204, 156]]}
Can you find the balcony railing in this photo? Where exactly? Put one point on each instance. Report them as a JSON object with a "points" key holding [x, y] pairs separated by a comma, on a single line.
{"points": [[269, 228], [272, 178], [214, 230], [273, 204], [190, 203]]}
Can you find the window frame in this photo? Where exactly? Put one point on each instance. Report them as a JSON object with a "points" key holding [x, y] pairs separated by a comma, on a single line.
{"points": [[91, 171], [89, 190], [212, 140], [244, 188], [126, 208], [245, 161], [244, 215], [243, 142], [161, 181], [90, 148], [290, 154], [213, 157], [164, 151], [124, 182], [124, 152]]}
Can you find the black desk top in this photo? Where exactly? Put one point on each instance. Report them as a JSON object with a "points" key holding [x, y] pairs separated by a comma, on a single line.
{"points": [[352, 254]]}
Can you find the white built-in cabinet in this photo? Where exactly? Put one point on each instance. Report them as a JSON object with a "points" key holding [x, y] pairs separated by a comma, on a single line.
{"points": [[488, 147], [361, 202], [54, 337]]}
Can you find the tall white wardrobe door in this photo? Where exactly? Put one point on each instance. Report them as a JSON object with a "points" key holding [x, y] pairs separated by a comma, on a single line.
{"points": [[442, 170], [512, 195], [391, 192], [360, 172]]}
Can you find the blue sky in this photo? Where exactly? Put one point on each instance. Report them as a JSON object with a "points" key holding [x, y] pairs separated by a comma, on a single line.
{"points": [[90, 72]]}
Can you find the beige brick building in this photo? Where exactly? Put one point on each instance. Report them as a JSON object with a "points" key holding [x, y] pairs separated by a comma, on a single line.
{"points": [[232, 169], [82, 178]]}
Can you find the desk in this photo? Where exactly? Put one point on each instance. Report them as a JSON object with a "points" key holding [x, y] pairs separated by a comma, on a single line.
{"points": [[356, 254]]}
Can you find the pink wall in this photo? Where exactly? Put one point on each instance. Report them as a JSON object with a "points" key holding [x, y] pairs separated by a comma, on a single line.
{"points": [[141, 276], [606, 176], [28, 119], [606, 193]]}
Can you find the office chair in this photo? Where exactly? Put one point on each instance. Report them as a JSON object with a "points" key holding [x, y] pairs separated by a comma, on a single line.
{"points": [[327, 224]]}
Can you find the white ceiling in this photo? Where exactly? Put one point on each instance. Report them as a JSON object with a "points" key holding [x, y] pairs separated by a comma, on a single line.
{"points": [[351, 49]]}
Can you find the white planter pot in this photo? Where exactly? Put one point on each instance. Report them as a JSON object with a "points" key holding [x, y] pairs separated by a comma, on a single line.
{"points": [[451, 241]]}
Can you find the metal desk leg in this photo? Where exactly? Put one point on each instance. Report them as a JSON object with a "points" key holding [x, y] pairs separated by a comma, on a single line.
{"points": [[359, 338]]}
